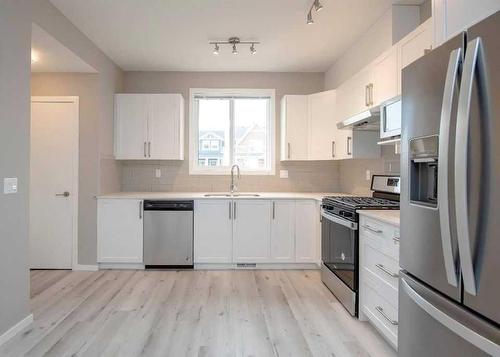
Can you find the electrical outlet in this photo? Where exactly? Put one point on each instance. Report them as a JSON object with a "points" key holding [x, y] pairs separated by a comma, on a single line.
{"points": [[10, 185], [368, 175], [157, 173]]}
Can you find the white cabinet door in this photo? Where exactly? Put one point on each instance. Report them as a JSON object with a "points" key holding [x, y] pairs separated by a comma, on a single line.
{"points": [[131, 113], [453, 16], [251, 231], [213, 241], [165, 127], [306, 235], [322, 125], [352, 95], [415, 44], [283, 231], [119, 231], [385, 77], [294, 127]]}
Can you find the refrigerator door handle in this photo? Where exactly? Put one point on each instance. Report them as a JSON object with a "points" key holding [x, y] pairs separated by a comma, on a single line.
{"points": [[458, 328], [472, 57], [444, 155]]}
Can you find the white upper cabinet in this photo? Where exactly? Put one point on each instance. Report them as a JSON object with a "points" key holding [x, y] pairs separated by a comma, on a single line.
{"points": [[131, 126], [294, 127], [453, 16], [251, 231], [322, 125], [385, 77], [353, 96], [119, 231], [213, 236], [149, 126], [415, 44], [283, 231]]}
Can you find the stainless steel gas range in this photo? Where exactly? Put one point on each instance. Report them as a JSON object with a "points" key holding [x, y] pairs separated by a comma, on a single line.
{"points": [[339, 237]]}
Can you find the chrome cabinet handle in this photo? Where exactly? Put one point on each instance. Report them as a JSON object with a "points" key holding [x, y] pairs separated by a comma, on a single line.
{"points": [[395, 239], [366, 96], [230, 209], [333, 148], [274, 209], [149, 148], [288, 155], [374, 230], [64, 194], [370, 93], [349, 141], [444, 154], [384, 315], [387, 271], [234, 210], [145, 155], [473, 60], [140, 210]]}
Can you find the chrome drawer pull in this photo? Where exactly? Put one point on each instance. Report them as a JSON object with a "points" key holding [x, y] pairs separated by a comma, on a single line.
{"points": [[387, 271], [374, 230], [395, 239], [381, 312]]}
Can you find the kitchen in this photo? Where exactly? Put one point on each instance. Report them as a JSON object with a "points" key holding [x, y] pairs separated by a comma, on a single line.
{"points": [[242, 196]]}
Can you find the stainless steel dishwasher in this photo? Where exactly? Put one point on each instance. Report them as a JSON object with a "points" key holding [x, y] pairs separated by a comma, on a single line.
{"points": [[168, 234]]}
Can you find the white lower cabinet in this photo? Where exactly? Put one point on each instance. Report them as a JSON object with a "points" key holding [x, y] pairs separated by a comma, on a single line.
{"points": [[283, 231], [119, 231], [306, 232], [213, 236], [251, 231], [379, 276]]}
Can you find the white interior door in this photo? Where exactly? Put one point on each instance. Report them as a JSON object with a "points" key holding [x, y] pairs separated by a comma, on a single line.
{"points": [[53, 181]]}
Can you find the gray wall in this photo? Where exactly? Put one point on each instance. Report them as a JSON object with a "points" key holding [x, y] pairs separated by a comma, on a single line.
{"points": [[86, 87], [303, 176], [15, 42]]}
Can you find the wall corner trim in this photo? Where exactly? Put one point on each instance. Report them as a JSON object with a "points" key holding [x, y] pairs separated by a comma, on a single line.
{"points": [[81, 267], [14, 330]]}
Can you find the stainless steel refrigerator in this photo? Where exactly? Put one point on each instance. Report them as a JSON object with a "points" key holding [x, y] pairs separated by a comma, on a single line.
{"points": [[449, 296]]}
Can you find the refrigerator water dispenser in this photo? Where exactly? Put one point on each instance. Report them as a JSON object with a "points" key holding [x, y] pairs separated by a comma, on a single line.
{"points": [[424, 170]]}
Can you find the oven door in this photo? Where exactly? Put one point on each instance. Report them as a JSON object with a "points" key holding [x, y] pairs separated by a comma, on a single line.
{"points": [[339, 248]]}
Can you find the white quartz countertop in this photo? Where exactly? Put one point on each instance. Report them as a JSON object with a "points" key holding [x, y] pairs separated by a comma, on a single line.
{"points": [[201, 195], [387, 216]]}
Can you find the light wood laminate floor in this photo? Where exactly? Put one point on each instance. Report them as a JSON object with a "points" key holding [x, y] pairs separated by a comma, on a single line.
{"points": [[190, 313]]}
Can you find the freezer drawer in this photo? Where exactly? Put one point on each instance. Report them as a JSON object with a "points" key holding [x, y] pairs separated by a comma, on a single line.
{"points": [[432, 325]]}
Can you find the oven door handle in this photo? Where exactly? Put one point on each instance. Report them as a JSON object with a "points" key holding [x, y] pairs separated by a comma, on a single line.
{"points": [[344, 222]]}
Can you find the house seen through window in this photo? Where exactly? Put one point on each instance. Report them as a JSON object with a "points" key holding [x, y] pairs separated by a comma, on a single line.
{"points": [[232, 128]]}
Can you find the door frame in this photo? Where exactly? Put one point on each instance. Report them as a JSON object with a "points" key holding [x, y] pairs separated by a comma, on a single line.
{"points": [[75, 100]]}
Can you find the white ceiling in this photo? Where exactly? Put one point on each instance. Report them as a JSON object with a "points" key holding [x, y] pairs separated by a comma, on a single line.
{"points": [[173, 35], [53, 56]]}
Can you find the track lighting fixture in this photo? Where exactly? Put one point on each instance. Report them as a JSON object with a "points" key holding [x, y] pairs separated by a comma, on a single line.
{"points": [[234, 41], [316, 5]]}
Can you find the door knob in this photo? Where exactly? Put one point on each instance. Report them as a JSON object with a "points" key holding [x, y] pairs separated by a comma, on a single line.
{"points": [[64, 194]]}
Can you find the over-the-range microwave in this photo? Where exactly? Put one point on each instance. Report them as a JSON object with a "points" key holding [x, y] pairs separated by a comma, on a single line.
{"points": [[390, 118]]}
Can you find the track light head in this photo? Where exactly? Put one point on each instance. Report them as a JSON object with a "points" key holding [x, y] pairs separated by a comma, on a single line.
{"points": [[216, 49], [310, 20], [252, 49], [317, 5], [235, 50]]}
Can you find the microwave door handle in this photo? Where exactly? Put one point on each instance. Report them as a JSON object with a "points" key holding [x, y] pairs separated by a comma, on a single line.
{"points": [[473, 59], [444, 154]]}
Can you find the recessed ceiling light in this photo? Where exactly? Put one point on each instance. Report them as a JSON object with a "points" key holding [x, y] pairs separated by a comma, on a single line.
{"points": [[34, 56]]}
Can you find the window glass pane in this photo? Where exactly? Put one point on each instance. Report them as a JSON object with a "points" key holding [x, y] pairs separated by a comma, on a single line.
{"points": [[214, 129], [251, 133]]}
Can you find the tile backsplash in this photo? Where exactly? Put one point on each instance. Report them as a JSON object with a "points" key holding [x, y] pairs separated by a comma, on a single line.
{"points": [[302, 177]]}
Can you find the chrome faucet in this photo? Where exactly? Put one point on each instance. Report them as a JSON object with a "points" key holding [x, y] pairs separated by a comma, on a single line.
{"points": [[233, 186]]}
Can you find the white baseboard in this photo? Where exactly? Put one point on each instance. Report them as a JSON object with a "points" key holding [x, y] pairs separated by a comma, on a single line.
{"points": [[14, 330], [82, 267], [125, 266], [259, 266]]}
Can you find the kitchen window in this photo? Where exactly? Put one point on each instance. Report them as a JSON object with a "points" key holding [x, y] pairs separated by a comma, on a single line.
{"points": [[238, 127]]}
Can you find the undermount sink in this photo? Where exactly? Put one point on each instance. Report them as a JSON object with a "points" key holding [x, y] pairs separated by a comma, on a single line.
{"points": [[232, 195]]}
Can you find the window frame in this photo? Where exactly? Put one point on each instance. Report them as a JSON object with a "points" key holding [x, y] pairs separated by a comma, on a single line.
{"points": [[194, 169]]}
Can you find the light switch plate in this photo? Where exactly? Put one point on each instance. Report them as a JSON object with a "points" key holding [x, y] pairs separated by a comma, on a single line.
{"points": [[368, 175], [157, 173], [283, 174], [10, 185]]}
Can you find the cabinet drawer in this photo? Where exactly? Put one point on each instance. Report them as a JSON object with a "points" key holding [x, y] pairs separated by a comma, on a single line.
{"points": [[383, 237], [381, 265], [381, 314]]}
